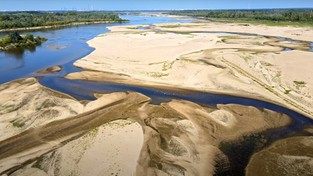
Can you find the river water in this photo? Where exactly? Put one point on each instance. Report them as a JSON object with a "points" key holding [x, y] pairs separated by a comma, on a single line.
{"points": [[67, 45], [63, 46]]}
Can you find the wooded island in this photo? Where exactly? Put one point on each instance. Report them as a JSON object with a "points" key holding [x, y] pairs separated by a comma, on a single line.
{"points": [[15, 40]]}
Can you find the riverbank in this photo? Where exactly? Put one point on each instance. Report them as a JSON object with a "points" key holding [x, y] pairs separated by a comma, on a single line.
{"points": [[201, 56], [53, 133], [60, 26], [151, 130]]}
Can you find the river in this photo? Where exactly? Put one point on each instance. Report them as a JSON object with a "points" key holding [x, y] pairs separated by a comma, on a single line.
{"points": [[67, 45]]}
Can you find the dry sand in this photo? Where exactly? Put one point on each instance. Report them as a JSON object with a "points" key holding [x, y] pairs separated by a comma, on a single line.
{"points": [[48, 133], [36, 120], [174, 138], [179, 56]]}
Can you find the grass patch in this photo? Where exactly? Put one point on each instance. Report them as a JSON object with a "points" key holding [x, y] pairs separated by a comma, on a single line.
{"points": [[266, 64], [93, 132], [287, 91], [136, 27], [299, 84], [167, 66], [185, 33], [246, 57], [18, 124], [171, 26], [157, 74]]}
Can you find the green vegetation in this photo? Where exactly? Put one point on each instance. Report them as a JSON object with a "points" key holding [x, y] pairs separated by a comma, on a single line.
{"points": [[15, 40], [266, 64], [157, 74], [171, 26], [299, 84], [287, 91], [17, 124], [264, 16], [11, 20]]}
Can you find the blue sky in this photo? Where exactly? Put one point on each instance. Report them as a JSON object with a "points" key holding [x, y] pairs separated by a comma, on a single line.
{"points": [[149, 4]]}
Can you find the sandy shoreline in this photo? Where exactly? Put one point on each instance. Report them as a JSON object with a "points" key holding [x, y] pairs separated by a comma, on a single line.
{"points": [[123, 132], [175, 55], [39, 120], [46, 132]]}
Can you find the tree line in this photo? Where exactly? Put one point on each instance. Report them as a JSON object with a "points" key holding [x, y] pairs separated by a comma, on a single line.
{"points": [[292, 15], [9, 20]]}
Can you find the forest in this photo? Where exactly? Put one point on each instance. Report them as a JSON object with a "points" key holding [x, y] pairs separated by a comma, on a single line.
{"points": [[9, 20], [274, 15]]}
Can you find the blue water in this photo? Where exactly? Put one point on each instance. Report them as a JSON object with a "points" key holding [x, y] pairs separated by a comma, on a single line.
{"points": [[69, 44], [64, 46]]}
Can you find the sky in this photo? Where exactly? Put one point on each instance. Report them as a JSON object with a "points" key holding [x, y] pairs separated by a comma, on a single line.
{"points": [[10, 5]]}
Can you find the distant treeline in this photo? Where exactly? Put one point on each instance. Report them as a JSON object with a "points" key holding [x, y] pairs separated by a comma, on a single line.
{"points": [[9, 20], [293, 15]]}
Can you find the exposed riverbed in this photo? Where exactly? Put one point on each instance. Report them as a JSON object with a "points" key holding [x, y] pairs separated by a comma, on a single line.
{"points": [[169, 103]]}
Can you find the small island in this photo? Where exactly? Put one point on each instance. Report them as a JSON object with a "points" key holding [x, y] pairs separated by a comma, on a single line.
{"points": [[15, 40]]}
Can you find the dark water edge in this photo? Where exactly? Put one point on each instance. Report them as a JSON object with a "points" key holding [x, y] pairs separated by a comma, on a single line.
{"points": [[238, 152], [28, 62], [246, 147]]}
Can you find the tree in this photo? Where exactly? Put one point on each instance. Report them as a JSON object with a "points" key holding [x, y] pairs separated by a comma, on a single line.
{"points": [[15, 37], [29, 37]]}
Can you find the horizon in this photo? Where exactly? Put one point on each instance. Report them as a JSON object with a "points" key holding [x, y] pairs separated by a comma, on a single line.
{"points": [[147, 10], [149, 5]]}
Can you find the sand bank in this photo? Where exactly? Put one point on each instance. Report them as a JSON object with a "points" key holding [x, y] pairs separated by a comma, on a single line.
{"points": [[295, 153], [185, 55], [174, 138], [53, 69], [37, 121]]}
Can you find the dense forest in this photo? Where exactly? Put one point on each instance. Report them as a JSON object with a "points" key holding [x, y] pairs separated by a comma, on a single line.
{"points": [[15, 40], [9, 20], [288, 15]]}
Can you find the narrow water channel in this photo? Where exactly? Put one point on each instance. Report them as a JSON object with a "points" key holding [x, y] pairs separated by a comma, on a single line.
{"points": [[65, 46]]}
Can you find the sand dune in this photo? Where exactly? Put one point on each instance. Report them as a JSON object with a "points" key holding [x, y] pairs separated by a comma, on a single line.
{"points": [[174, 138], [204, 56]]}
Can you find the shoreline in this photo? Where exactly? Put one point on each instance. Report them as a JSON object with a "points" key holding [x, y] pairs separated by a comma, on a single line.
{"points": [[123, 132], [60, 26], [116, 78], [179, 122], [121, 79], [159, 75]]}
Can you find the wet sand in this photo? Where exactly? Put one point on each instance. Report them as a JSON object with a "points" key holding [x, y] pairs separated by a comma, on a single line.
{"points": [[50, 70]]}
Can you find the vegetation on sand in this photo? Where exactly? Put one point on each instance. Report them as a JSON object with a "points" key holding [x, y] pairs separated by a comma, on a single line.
{"points": [[15, 40]]}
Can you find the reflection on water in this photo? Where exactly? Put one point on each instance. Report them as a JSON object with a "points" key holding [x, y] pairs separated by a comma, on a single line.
{"points": [[18, 53]]}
